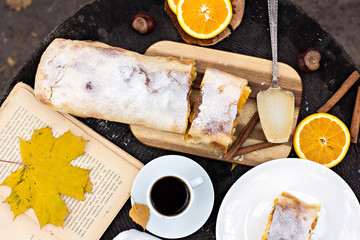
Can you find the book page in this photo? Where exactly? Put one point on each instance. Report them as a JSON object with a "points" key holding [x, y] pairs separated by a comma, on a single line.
{"points": [[112, 171]]}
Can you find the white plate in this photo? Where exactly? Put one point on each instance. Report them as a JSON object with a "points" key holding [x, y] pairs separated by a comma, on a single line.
{"points": [[246, 207], [203, 199]]}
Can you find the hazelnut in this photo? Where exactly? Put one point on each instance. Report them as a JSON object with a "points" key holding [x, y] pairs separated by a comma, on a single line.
{"points": [[309, 60], [143, 23]]}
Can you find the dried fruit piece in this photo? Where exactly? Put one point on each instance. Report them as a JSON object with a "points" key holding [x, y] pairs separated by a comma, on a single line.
{"points": [[140, 214]]}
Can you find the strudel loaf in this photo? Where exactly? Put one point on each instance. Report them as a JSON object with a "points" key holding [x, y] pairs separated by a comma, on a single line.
{"points": [[92, 79]]}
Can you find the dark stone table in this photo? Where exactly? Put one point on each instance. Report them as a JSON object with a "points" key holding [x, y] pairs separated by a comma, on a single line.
{"points": [[109, 21]]}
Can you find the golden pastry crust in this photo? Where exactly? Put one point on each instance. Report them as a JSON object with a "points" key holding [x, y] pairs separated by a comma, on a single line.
{"points": [[221, 96], [93, 79], [291, 219]]}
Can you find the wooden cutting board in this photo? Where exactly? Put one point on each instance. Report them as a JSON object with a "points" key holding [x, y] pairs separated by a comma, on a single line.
{"points": [[257, 71]]}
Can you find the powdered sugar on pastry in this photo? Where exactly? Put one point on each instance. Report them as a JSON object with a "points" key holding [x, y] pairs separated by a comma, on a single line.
{"points": [[291, 219], [216, 108], [92, 79], [219, 108]]}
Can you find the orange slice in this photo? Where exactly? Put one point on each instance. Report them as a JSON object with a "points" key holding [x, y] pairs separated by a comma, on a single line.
{"points": [[204, 19], [322, 138], [173, 5]]}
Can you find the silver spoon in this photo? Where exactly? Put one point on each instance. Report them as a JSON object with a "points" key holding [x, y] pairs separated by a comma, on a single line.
{"points": [[275, 105]]}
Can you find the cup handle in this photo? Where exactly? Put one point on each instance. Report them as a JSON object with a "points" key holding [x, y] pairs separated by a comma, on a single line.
{"points": [[197, 181]]}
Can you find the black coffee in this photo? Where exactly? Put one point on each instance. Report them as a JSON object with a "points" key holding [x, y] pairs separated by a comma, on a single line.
{"points": [[170, 196]]}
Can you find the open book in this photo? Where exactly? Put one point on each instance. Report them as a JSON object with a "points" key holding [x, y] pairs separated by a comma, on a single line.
{"points": [[113, 171]]}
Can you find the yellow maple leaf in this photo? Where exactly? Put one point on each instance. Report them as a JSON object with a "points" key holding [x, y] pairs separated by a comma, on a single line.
{"points": [[233, 165], [46, 174], [18, 4], [140, 214]]}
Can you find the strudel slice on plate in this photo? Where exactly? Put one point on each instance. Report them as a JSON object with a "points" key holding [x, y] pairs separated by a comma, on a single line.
{"points": [[291, 219], [92, 79], [213, 119]]}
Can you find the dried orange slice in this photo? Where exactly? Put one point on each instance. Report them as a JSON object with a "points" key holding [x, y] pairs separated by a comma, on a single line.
{"points": [[322, 138], [204, 19], [173, 5]]}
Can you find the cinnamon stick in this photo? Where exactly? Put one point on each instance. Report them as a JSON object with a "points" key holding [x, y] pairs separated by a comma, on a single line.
{"points": [[355, 120], [242, 136], [255, 147], [340, 92]]}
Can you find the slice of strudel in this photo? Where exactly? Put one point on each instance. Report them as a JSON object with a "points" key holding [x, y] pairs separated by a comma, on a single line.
{"points": [[291, 219], [213, 120]]}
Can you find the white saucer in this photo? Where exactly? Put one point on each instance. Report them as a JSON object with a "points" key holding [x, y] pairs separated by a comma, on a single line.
{"points": [[246, 207], [200, 208]]}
